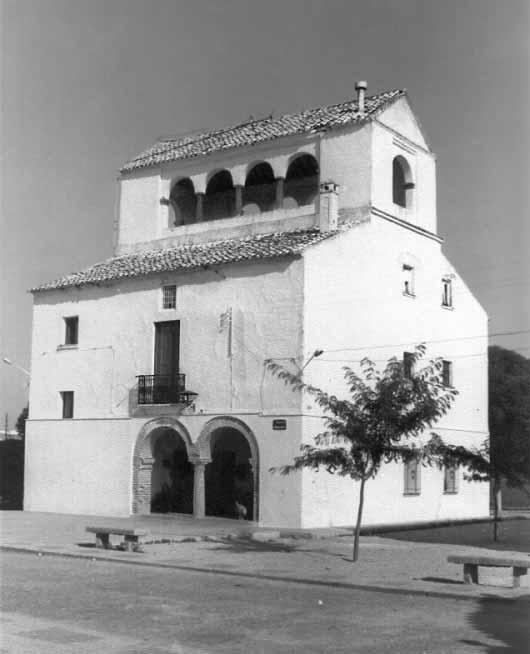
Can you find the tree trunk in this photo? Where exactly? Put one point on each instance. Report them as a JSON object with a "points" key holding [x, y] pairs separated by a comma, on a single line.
{"points": [[497, 507], [358, 525]]}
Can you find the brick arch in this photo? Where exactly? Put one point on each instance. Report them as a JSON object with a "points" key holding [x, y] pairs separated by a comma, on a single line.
{"points": [[143, 459], [203, 449]]}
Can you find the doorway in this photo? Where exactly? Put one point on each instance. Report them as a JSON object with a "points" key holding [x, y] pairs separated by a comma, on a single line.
{"points": [[229, 477], [171, 475]]}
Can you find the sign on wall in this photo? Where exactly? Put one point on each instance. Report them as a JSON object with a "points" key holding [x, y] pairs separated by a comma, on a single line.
{"points": [[279, 424]]}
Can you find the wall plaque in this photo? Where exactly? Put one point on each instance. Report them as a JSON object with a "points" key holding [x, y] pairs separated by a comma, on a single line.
{"points": [[279, 424]]}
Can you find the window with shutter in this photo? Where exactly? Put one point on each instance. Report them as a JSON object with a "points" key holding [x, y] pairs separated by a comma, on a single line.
{"points": [[67, 398], [71, 328], [412, 478], [450, 479], [408, 364], [447, 373]]}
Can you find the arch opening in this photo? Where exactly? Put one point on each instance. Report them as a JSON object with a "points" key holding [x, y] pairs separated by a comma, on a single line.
{"points": [[171, 474], [183, 202], [402, 184], [230, 476], [220, 197], [301, 181], [162, 480], [259, 193]]}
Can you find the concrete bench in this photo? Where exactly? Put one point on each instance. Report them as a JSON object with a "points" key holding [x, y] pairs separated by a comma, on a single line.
{"points": [[130, 537], [472, 562]]}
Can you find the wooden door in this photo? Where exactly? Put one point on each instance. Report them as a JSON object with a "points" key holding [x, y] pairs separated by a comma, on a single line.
{"points": [[167, 336]]}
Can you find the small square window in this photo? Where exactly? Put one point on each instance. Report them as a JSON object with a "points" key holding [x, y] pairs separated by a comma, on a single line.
{"points": [[68, 403], [408, 364], [450, 479], [447, 292], [408, 279], [447, 373], [71, 329], [169, 297], [412, 478]]}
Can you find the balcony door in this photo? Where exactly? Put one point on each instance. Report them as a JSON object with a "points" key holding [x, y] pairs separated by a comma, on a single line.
{"points": [[167, 337]]}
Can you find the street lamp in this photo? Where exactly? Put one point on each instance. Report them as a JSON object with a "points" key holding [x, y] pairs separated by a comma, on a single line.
{"points": [[12, 363]]}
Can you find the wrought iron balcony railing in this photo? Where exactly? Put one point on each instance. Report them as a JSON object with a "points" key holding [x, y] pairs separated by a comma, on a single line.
{"points": [[164, 389]]}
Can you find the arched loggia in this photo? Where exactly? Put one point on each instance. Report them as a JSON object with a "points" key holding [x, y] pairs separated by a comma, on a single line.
{"points": [[301, 181]]}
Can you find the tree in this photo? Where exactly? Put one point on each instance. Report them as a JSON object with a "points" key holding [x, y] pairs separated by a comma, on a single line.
{"points": [[506, 456], [509, 417], [21, 423], [382, 422]]}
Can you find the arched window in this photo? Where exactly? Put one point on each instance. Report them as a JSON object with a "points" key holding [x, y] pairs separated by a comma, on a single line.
{"points": [[220, 197], [183, 202], [301, 181], [259, 193], [402, 184]]}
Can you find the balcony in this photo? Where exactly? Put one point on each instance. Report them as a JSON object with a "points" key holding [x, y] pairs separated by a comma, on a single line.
{"points": [[164, 389]]}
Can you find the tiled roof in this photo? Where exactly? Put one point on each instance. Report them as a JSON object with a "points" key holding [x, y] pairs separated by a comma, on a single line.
{"points": [[189, 257], [251, 132]]}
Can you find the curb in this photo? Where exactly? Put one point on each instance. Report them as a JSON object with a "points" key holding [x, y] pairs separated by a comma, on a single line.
{"points": [[434, 524], [267, 577]]}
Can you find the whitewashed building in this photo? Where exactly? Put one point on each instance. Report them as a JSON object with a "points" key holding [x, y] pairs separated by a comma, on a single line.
{"points": [[271, 239]]}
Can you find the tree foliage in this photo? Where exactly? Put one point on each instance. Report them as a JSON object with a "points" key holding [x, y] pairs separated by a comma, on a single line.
{"points": [[381, 422], [20, 425], [509, 415], [506, 456]]}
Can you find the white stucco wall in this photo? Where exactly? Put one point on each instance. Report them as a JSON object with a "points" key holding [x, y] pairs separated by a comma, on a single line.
{"points": [[395, 133], [84, 465], [116, 339], [346, 159], [139, 203], [78, 466], [354, 308]]}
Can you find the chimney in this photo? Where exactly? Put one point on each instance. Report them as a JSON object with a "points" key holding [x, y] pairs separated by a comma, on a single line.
{"points": [[329, 207], [360, 87]]}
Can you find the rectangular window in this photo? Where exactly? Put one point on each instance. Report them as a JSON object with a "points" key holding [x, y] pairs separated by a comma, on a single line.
{"points": [[450, 479], [68, 403], [408, 279], [71, 328], [408, 364], [447, 292], [169, 297], [447, 373], [412, 478]]}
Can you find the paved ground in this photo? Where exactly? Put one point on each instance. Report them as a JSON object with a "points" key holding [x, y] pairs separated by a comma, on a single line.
{"points": [[54, 605], [385, 563]]}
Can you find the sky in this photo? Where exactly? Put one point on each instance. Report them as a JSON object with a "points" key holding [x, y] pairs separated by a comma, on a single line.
{"points": [[88, 84]]}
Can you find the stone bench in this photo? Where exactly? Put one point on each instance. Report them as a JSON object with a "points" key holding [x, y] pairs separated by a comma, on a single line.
{"points": [[472, 562], [130, 537]]}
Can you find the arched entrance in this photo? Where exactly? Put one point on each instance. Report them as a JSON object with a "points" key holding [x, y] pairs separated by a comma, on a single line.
{"points": [[162, 472], [171, 475], [229, 452]]}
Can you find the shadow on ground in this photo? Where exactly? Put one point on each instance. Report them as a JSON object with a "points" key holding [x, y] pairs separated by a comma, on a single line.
{"points": [[513, 535], [505, 621], [440, 580], [244, 545]]}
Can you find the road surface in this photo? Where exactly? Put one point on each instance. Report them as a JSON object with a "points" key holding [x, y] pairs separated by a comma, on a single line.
{"points": [[60, 606]]}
